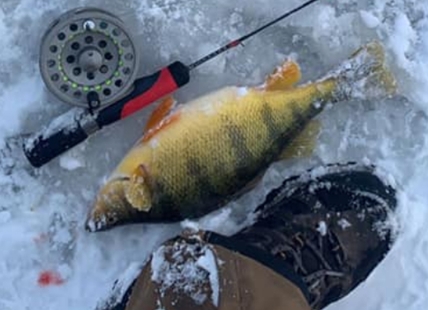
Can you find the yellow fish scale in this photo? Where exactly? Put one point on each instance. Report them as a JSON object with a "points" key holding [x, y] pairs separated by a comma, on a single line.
{"points": [[194, 135], [199, 135]]}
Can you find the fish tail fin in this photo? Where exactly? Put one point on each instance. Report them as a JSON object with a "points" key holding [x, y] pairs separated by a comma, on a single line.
{"points": [[364, 75]]}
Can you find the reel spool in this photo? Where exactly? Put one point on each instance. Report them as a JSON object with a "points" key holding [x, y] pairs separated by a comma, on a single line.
{"points": [[88, 58]]}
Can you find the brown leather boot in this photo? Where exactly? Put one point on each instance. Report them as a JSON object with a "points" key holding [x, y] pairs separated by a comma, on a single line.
{"points": [[332, 230]]}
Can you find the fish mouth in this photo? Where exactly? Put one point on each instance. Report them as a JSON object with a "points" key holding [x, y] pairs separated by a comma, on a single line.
{"points": [[96, 221], [92, 225]]}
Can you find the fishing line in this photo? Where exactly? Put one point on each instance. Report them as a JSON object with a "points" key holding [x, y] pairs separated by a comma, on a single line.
{"points": [[239, 41]]}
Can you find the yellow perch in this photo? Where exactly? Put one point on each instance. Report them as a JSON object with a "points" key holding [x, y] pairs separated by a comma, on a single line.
{"points": [[195, 157]]}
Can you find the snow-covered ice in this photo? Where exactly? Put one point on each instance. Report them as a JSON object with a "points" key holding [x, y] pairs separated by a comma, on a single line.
{"points": [[322, 228], [42, 212]]}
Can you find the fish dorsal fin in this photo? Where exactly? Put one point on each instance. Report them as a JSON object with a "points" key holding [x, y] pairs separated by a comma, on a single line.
{"points": [[159, 114], [138, 192], [284, 77], [302, 145]]}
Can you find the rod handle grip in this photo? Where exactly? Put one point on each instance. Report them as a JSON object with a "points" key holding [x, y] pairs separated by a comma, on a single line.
{"points": [[47, 144]]}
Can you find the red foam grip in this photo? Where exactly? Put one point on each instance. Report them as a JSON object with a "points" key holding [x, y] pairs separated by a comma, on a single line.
{"points": [[163, 86]]}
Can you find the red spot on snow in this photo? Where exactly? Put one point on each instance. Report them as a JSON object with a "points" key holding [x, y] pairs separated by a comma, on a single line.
{"points": [[43, 237], [50, 278]]}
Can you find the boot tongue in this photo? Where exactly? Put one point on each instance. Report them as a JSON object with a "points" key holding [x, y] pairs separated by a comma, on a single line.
{"points": [[310, 261], [318, 250]]}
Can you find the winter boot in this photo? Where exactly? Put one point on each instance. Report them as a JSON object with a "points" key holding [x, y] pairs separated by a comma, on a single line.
{"points": [[324, 231], [331, 230]]}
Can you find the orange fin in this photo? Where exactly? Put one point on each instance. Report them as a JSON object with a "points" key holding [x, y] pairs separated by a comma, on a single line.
{"points": [[160, 113], [284, 77], [163, 124], [138, 191]]}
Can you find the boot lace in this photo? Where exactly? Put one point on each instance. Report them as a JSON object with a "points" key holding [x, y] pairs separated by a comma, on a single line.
{"points": [[322, 274]]}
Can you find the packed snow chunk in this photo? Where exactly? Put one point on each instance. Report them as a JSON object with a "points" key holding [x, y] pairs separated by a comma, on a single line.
{"points": [[218, 221], [70, 163], [208, 262], [322, 228], [190, 269], [343, 223], [190, 225], [242, 91], [369, 19]]}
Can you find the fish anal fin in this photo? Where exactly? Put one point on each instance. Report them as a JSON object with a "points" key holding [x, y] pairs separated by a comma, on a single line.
{"points": [[158, 114], [284, 77], [138, 192], [304, 144]]}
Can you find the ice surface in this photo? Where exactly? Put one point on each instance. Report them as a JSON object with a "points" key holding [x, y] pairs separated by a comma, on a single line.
{"points": [[42, 212]]}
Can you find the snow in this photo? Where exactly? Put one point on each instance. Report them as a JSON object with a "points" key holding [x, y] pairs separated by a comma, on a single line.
{"points": [[343, 223], [121, 285], [208, 263], [242, 91], [369, 19], [322, 228], [70, 163], [402, 39], [54, 200]]}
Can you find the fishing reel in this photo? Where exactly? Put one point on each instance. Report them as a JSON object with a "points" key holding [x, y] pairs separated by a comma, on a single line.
{"points": [[89, 59]]}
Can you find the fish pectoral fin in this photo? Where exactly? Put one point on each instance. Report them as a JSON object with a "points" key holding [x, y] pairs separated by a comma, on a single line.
{"points": [[139, 190], [284, 77], [160, 113], [302, 145], [163, 124]]}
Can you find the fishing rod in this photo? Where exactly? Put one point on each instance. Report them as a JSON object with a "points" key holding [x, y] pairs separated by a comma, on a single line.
{"points": [[88, 59]]}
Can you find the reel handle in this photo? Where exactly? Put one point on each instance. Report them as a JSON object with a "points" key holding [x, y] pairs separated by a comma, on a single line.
{"points": [[146, 91], [77, 125]]}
